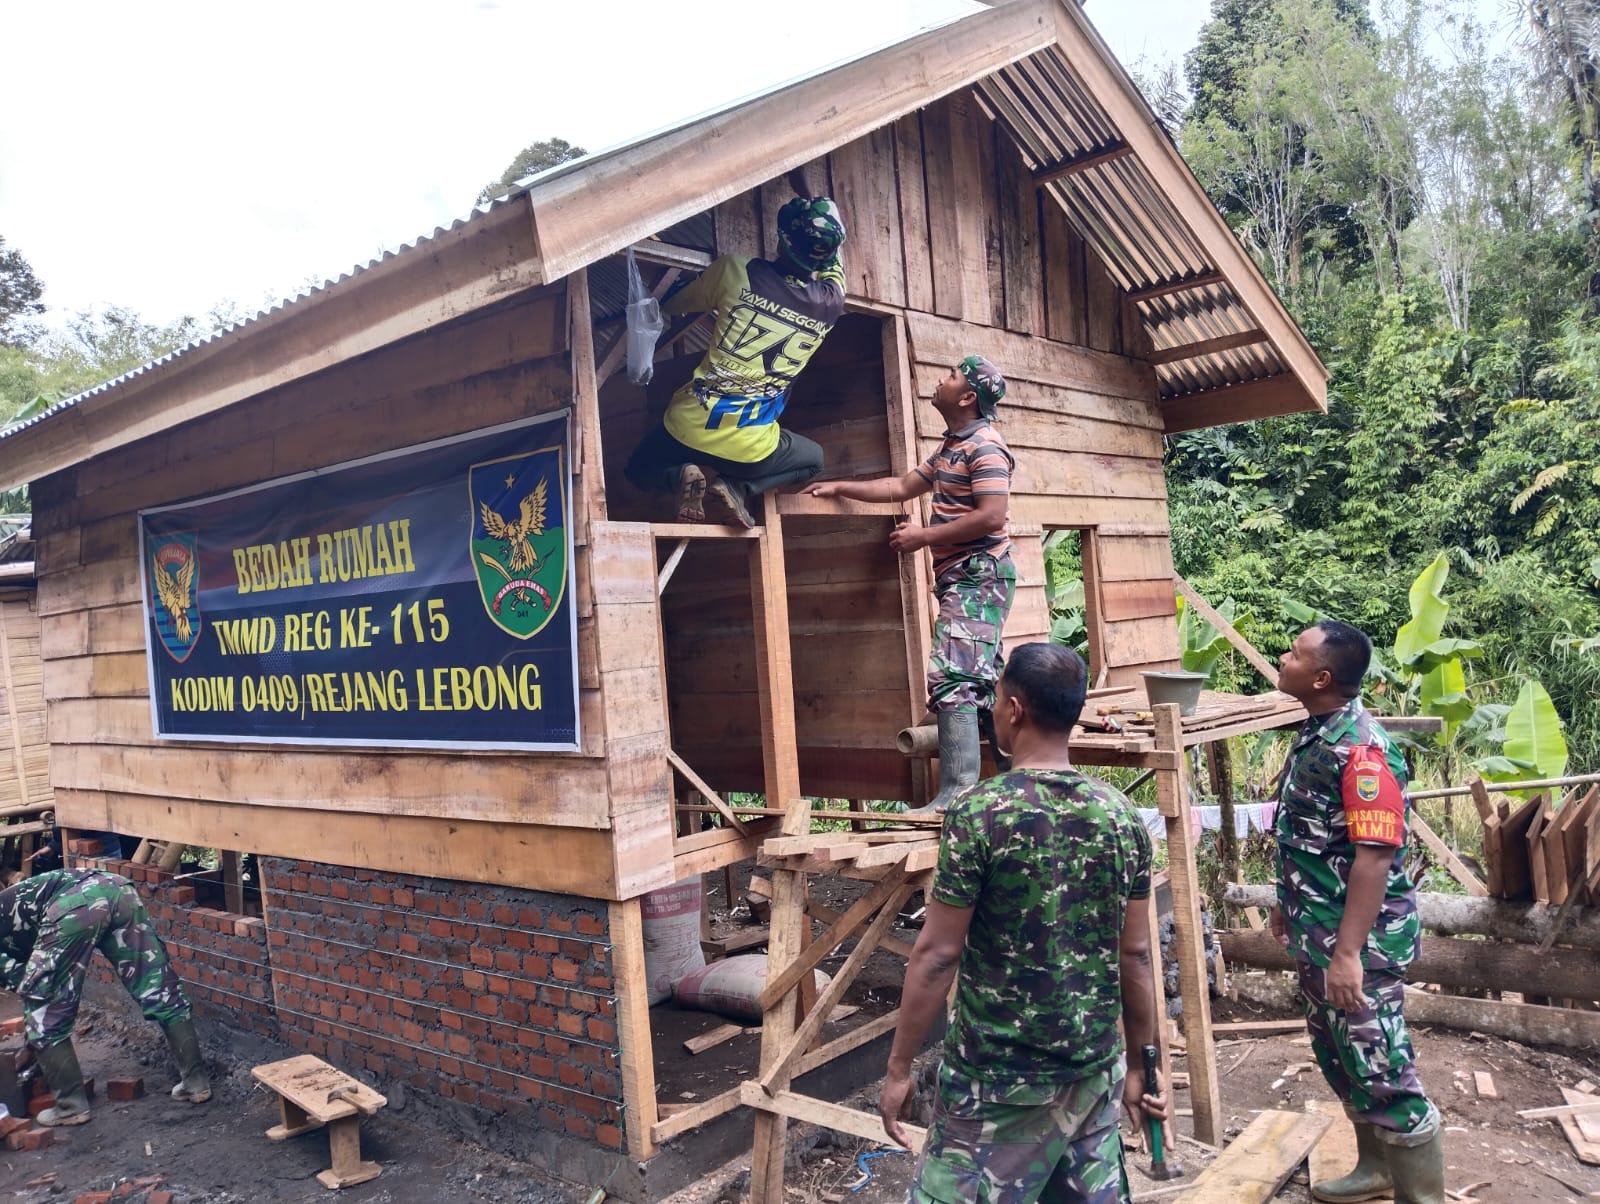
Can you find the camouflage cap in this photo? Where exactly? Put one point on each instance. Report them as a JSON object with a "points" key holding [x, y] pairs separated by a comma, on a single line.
{"points": [[810, 231], [986, 382]]}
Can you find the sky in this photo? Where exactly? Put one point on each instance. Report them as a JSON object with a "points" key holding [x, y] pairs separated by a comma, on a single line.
{"points": [[178, 154]]}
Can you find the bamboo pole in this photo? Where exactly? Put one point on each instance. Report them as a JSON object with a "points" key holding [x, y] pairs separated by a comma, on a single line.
{"points": [[1505, 787]]}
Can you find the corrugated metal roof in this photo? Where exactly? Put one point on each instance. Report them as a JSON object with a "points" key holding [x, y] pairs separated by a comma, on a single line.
{"points": [[1113, 203]]}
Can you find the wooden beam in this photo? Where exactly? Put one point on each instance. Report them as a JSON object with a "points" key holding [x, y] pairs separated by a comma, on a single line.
{"points": [[774, 1076], [1168, 287], [837, 933], [1225, 342], [1188, 938], [665, 575], [792, 504], [711, 796], [636, 1048], [1207, 612], [1445, 854], [615, 199], [586, 399], [1264, 398], [866, 1125], [1260, 1160], [669, 255], [1052, 172], [1095, 68]]}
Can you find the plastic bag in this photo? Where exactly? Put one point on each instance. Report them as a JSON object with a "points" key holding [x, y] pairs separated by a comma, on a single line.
{"points": [[644, 326]]}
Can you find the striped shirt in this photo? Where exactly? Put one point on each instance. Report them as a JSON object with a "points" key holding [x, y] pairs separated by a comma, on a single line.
{"points": [[970, 463]]}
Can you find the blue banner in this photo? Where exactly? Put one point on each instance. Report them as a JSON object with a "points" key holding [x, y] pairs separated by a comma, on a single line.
{"points": [[421, 598]]}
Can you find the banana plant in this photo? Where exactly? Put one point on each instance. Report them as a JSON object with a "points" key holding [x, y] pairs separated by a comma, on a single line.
{"points": [[1203, 645], [1535, 746], [1430, 664]]}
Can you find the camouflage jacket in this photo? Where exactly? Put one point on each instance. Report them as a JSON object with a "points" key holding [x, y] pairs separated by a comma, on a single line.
{"points": [[1049, 861], [1343, 785], [21, 907]]}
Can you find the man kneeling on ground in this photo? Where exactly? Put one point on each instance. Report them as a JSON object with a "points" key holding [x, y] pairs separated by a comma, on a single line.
{"points": [[50, 926], [1039, 898]]}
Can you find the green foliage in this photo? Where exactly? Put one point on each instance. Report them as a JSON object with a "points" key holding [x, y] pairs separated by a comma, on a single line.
{"points": [[1432, 227], [1203, 645], [530, 160]]}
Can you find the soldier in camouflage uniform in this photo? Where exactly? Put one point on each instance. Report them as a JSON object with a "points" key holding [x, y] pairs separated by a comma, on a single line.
{"points": [[50, 926], [1347, 913], [974, 579], [1039, 898]]}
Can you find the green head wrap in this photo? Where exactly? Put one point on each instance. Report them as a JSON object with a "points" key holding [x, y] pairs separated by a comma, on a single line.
{"points": [[986, 382]]}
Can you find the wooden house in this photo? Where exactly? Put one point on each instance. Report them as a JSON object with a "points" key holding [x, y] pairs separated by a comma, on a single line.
{"points": [[461, 914]]}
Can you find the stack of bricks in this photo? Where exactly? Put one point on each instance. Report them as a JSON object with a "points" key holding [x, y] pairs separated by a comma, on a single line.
{"points": [[221, 957], [494, 999]]}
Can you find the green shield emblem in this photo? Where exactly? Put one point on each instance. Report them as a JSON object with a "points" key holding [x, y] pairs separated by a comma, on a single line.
{"points": [[519, 538]]}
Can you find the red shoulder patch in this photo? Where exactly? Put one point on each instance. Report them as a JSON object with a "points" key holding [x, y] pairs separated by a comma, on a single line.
{"points": [[1374, 807]]}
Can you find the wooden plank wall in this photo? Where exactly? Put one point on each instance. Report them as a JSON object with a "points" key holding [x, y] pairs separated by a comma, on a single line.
{"points": [[24, 747], [497, 365]]}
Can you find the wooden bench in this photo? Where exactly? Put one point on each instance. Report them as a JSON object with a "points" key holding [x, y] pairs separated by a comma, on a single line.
{"points": [[312, 1094]]}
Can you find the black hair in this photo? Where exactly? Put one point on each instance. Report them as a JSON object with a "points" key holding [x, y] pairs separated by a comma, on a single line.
{"points": [[1051, 680], [1346, 654]]}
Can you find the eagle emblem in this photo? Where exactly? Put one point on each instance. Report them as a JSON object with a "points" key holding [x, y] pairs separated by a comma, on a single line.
{"points": [[174, 601], [519, 538], [517, 533]]}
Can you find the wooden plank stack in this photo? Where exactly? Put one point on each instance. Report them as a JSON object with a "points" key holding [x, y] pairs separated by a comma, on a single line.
{"points": [[1546, 848]]}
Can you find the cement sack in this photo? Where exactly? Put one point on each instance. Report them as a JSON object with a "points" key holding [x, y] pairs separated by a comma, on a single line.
{"points": [[671, 921], [732, 987]]}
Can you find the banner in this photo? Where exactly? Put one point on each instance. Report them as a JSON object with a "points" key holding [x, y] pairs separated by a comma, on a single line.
{"points": [[422, 598]]}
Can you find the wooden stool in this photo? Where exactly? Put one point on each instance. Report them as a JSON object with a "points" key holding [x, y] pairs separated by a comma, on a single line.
{"points": [[312, 1094]]}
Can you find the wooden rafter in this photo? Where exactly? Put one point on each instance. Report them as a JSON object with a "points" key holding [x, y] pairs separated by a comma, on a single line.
{"points": [[1280, 394], [711, 796], [1207, 612], [1225, 342], [791, 1104], [1052, 172], [665, 575], [1167, 288]]}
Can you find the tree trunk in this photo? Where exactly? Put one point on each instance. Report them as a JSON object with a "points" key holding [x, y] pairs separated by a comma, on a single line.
{"points": [[1455, 915], [1452, 962], [1220, 769]]}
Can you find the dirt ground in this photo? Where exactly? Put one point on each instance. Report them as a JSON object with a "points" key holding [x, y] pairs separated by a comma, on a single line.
{"points": [[217, 1153]]}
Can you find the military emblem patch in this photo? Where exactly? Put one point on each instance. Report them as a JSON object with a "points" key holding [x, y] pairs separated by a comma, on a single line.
{"points": [[519, 539], [1366, 785], [175, 592]]}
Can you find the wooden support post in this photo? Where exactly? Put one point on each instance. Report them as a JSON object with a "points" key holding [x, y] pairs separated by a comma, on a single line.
{"points": [[781, 771], [1189, 936], [633, 1027], [232, 883], [916, 582], [1220, 767], [586, 398]]}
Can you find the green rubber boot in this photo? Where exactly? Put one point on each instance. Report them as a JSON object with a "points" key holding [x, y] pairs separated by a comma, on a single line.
{"points": [[1369, 1180], [958, 758], [59, 1064], [1418, 1171], [194, 1086]]}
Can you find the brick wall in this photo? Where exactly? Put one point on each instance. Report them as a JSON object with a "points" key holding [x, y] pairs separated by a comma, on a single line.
{"points": [[493, 1002], [221, 957]]}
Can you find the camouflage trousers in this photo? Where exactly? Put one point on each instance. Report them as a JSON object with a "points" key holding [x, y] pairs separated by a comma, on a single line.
{"points": [[1367, 1056], [1064, 1150], [974, 600], [101, 912]]}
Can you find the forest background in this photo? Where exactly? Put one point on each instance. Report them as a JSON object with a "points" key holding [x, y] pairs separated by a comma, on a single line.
{"points": [[1425, 199]]}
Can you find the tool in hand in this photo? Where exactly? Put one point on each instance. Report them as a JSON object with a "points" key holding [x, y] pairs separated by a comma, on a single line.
{"points": [[1159, 1170]]}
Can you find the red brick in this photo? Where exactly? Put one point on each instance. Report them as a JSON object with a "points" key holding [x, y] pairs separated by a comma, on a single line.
{"points": [[94, 1197], [124, 1089], [160, 1197], [11, 1028], [29, 1139], [86, 848], [10, 1124], [40, 1102], [181, 896]]}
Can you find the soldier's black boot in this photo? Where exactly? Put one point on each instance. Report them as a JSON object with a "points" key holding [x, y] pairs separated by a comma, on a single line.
{"points": [[1418, 1170], [1002, 762], [194, 1086], [59, 1065], [958, 758], [1369, 1180]]}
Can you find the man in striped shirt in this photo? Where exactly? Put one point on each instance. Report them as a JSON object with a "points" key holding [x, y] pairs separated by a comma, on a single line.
{"points": [[974, 579]]}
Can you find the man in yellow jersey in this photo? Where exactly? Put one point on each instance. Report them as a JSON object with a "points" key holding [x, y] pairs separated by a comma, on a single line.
{"points": [[771, 316]]}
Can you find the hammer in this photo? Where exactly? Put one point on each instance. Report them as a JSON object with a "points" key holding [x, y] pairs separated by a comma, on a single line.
{"points": [[1159, 1170]]}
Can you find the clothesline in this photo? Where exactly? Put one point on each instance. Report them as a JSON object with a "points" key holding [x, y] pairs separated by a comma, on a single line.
{"points": [[1247, 818]]}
